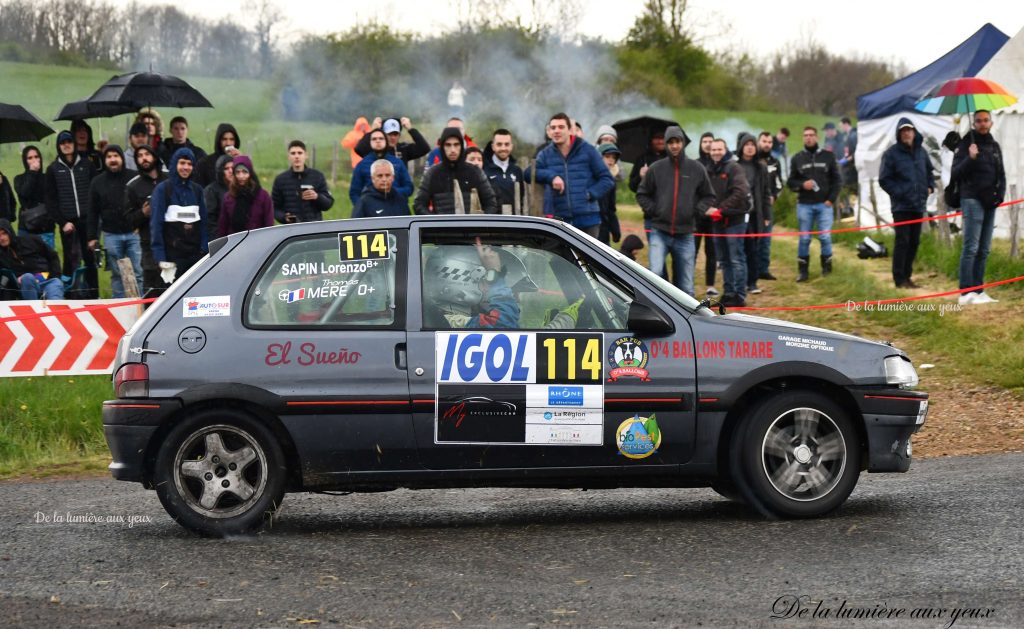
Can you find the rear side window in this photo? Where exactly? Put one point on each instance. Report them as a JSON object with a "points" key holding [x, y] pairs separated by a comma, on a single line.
{"points": [[335, 280]]}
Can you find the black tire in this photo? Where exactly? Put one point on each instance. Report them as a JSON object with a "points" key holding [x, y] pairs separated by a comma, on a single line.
{"points": [[728, 490], [796, 455], [221, 472]]}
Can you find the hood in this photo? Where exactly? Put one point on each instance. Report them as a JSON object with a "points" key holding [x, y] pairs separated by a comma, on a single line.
{"points": [[5, 225], [223, 128], [158, 164], [245, 160], [221, 161], [918, 138], [113, 148], [452, 132], [701, 153], [742, 139], [24, 155], [674, 132], [362, 124], [81, 124], [172, 167], [607, 129]]}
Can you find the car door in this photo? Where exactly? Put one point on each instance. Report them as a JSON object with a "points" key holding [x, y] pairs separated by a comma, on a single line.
{"points": [[548, 380]]}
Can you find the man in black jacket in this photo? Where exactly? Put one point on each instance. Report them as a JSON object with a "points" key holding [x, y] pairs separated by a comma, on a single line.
{"points": [[814, 176], [978, 170], [137, 201], [908, 178], [502, 172], [300, 193], [765, 142], [380, 197], [405, 151], [437, 189], [655, 152], [108, 210], [760, 217], [36, 265], [730, 216], [179, 138], [673, 192], [67, 200], [225, 142]]}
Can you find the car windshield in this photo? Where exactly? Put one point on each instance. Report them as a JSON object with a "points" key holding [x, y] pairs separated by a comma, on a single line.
{"points": [[664, 285]]}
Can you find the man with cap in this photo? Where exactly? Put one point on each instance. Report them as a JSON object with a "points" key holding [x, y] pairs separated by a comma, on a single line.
{"points": [[392, 127], [673, 192], [138, 196], [908, 178], [138, 136], [67, 200], [108, 211]]}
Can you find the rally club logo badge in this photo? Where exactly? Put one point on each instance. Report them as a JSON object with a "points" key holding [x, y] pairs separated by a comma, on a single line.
{"points": [[638, 437], [627, 357]]}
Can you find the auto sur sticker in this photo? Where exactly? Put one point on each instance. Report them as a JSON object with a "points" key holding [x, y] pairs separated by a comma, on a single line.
{"points": [[628, 356], [206, 306], [638, 437]]}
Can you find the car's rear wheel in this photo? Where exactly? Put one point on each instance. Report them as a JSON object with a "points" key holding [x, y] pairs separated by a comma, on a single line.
{"points": [[797, 455], [221, 472]]}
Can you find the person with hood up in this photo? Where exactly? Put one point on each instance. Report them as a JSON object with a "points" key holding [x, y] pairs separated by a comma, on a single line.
{"points": [[138, 199], [405, 151], [760, 216], [353, 137], [36, 266], [379, 150], [246, 205], [674, 191], [178, 223], [84, 143], [67, 200], [300, 193], [576, 175], [214, 193], [907, 176], [504, 175], [108, 210], [436, 194], [380, 198], [655, 151], [730, 215], [225, 142], [30, 185], [8, 204], [704, 224], [610, 229], [814, 176]]}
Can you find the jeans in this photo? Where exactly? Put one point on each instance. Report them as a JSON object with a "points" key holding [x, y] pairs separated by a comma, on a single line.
{"points": [[32, 287], [704, 226], [764, 251], [731, 254], [684, 257], [978, 226], [806, 215], [905, 249], [123, 246], [752, 249], [76, 250]]}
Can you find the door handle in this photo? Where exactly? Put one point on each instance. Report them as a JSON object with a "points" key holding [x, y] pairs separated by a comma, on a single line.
{"points": [[401, 360]]}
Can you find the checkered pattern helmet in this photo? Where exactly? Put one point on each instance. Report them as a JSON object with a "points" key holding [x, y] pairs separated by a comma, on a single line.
{"points": [[452, 276]]}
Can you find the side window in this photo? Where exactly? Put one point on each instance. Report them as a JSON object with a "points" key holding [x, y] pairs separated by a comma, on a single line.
{"points": [[516, 280], [335, 280]]}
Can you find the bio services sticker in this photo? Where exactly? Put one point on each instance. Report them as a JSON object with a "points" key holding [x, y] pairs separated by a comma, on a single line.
{"points": [[219, 306]]}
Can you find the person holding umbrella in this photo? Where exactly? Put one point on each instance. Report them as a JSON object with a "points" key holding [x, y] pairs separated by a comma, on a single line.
{"points": [[178, 222], [978, 170]]}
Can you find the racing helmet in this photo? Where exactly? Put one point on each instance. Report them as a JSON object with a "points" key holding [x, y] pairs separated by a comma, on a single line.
{"points": [[452, 276]]}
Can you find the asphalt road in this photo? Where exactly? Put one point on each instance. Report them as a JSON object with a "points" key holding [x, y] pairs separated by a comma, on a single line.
{"points": [[945, 536]]}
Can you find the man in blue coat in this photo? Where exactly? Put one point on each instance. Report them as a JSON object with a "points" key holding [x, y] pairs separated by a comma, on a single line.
{"points": [[908, 178], [361, 178], [574, 175]]}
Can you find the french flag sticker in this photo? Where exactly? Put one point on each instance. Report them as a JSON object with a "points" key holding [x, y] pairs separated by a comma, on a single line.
{"points": [[296, 295]]}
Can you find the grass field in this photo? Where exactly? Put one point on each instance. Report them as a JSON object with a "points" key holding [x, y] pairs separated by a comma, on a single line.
{"points": [[52, 425]]}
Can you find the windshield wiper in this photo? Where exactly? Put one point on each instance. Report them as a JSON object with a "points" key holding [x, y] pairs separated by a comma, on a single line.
{"points": [[707, 303]]}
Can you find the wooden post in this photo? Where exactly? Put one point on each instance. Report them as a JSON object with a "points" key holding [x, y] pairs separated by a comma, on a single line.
{"points": [[131, 286], [945, 238], [517, 208], [334, 166], [1014, 224], [460, 203], [312, 157], [474, 202], [874, 203]]}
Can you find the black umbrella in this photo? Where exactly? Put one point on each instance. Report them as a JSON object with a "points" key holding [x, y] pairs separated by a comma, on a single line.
{"points": [[635, 135], [18, 124], [149, 89], [82, 109]]}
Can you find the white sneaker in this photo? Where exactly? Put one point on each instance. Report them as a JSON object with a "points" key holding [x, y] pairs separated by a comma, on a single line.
{"points": [[966, 299], [712, 291], [983, 298]]}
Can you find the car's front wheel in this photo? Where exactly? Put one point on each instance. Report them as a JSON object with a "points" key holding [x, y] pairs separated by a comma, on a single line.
{"points": [[797, 455], [221, 472]]}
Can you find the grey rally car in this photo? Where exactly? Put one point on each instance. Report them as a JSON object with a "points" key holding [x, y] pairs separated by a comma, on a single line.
{"points": [[373, 354]]}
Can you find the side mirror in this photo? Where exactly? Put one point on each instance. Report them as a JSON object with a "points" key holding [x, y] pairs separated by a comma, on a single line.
{"points": [[646, 321]]}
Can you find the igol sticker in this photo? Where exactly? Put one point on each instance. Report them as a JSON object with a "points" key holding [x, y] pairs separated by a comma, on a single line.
{"points": [[628, 356], [638, 437]]}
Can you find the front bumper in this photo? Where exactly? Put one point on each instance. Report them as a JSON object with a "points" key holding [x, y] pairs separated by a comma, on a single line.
{"points": [[891, 417], [129, 426]]}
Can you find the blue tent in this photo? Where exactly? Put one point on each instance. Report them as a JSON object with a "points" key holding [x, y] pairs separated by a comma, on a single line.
{"points": [[967, 59]]}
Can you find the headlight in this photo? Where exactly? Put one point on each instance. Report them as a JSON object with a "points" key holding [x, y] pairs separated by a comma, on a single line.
{"points": [[900, 372]]}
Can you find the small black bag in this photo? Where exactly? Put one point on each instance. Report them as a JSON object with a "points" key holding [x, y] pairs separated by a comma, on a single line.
{"points": [[35, 219], [951, 195]]}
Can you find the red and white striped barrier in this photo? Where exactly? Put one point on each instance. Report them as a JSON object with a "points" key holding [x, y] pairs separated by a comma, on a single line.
{"points": [[40, 338]]}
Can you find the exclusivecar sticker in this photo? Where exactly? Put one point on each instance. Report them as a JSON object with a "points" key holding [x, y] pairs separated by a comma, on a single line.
{"points": [[638, 437], [628, 356]]}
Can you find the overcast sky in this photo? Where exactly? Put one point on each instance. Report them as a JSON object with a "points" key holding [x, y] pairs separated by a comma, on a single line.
{"points": [[913, 31]]}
